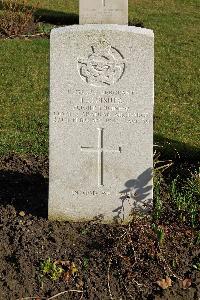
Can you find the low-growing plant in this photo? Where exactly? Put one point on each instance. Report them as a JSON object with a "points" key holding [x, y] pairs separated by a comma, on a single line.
{"points": [[180, 199], [159, 167], [17, 18], [44, 28], [185, 200], [160, 233], [193, 184], [51, 270], [84, 231], [193, 213], [158, 205], [85, 263], [197, 238]]}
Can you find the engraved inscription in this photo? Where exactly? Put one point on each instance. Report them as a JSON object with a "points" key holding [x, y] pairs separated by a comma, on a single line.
{"points": [[127, 194], [103, 67], [110, 114], [100, 150]]}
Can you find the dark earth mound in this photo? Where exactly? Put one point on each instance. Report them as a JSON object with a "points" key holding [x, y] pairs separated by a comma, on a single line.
{"points": [[109, 262]]}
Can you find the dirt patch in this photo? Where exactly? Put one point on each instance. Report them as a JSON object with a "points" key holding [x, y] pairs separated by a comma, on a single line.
{"points": [[24, 183], [111, 262]]}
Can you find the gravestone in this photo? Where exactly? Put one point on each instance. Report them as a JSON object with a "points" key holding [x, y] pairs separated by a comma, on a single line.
{"points": [[103, 12], [101, 122]]}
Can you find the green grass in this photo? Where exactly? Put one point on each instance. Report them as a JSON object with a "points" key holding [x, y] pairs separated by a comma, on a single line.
{"points": [[24, 76], [177, 62], [24, 96]]}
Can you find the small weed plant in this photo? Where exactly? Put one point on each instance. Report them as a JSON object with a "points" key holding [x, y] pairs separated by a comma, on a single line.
{"points": [[62, 270], [159, 167], [197, 239], [186, 199], [184, 195], [51, 270], [159, 231], [193, 184], [85, 263], [158, 205]]}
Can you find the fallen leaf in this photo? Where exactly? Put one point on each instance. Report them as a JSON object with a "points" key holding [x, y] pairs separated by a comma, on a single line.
{"points": [[70, 272], [22, 214], [164, 283], [64, 263], [186, 283], [73, 269]]}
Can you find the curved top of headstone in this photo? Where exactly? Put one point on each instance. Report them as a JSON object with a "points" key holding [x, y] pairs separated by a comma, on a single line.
{"points": [[97, 27]]}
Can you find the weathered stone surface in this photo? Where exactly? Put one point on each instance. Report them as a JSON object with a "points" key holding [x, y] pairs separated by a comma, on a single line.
{"points": [[101, 121], [103, 12]]}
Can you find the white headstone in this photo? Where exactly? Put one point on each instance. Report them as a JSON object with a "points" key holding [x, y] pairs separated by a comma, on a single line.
{"points": [[101, 121], [103, 12]]}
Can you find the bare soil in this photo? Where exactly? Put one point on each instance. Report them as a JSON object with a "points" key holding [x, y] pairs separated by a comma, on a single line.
{"points": [[112, 261]]}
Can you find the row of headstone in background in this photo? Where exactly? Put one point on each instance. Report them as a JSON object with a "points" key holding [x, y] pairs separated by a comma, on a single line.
{"points": [[103, 12], [101, 121]]}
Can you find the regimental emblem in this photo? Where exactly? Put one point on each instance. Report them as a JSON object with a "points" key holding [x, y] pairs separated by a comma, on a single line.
{"points": [[103, 67]]}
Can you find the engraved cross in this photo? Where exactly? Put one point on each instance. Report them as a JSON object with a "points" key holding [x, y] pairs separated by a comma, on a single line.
{"points": [[100, 150]]}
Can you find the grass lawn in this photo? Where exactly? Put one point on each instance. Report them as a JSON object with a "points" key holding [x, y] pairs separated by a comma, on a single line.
{"points": [[24, 96], [24, 76]]}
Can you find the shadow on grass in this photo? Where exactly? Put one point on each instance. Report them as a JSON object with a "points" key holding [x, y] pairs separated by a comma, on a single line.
{"points": [[56, 17], [178, 152], [185, 159]]}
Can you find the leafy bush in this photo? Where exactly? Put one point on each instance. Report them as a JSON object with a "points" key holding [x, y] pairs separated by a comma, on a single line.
{"points": [[17, 18]]}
